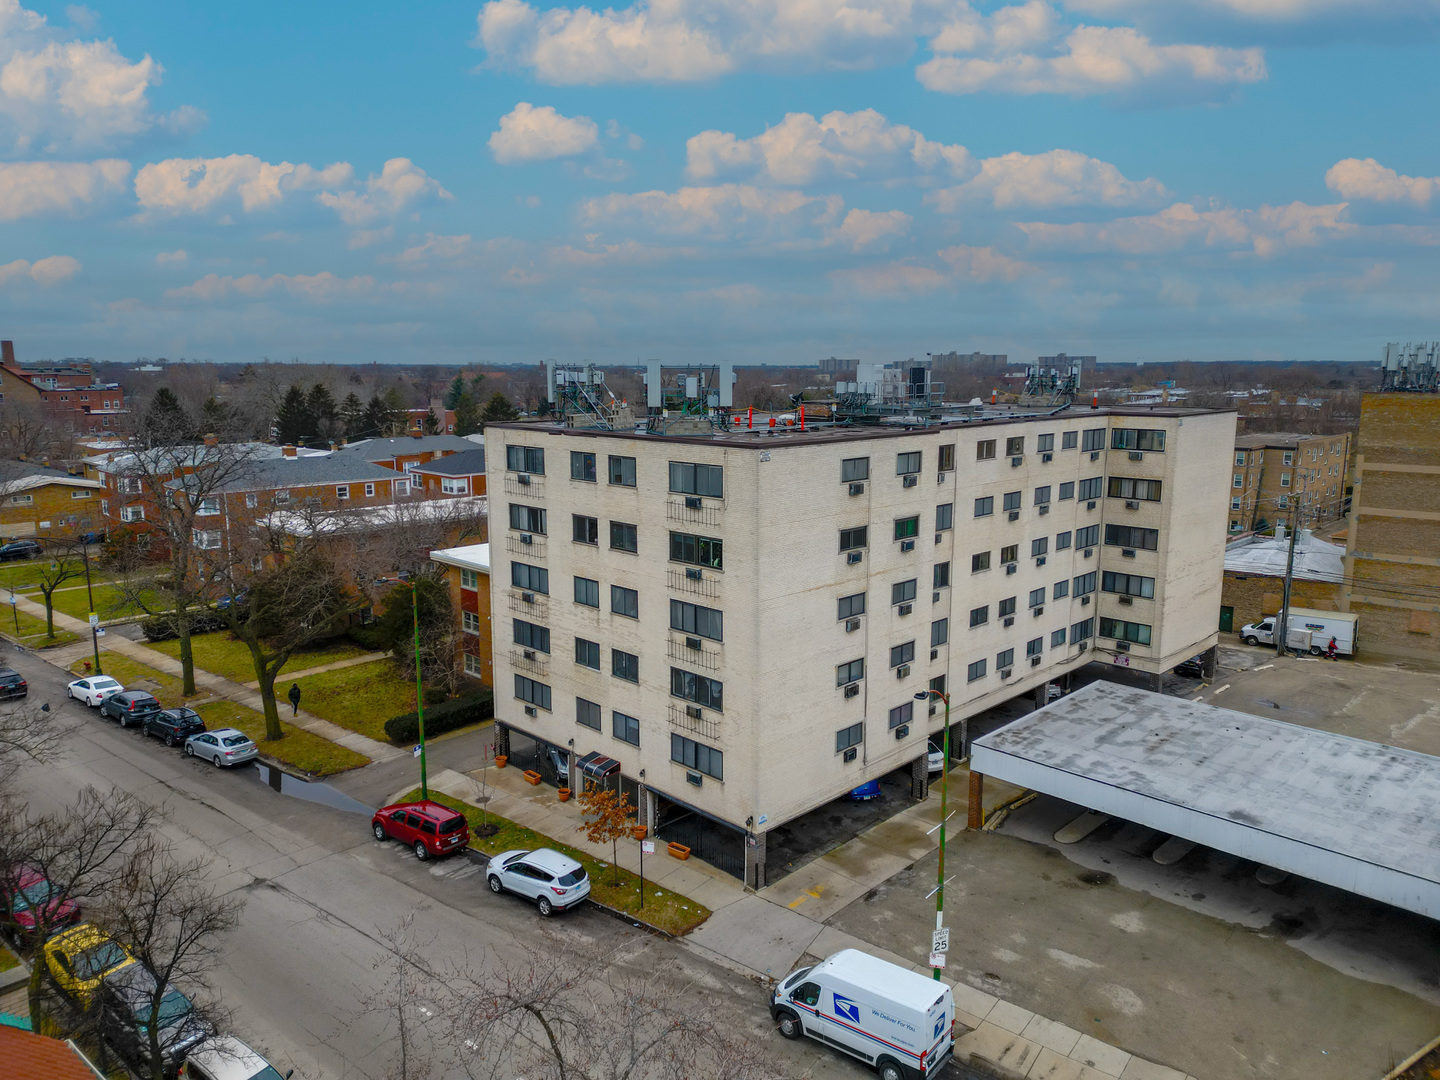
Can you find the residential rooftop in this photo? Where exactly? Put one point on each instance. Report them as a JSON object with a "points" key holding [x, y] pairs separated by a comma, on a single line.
{"points": [[385, 449], [466, 463], [268, 473], [1284, 440]]}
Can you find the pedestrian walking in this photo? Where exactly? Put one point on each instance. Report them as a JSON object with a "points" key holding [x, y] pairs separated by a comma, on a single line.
{"points": [[1333, 651], [295, 697]]}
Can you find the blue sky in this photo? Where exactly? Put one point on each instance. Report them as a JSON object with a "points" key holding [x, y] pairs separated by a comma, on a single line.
{"points": [[765, 180]]}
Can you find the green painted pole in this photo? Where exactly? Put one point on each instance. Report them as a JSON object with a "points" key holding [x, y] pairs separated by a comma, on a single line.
{"points": [[944, 810], [419, 691]]}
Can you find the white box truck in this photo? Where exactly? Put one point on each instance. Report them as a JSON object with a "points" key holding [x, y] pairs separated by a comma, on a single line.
{"points": [[901, 1022], [1308, 630]]}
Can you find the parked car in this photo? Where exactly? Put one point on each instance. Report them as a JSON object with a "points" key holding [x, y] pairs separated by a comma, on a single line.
{"points": [[173, 725], [13, 684], [77, 960], [128, 1008], [1193, 668], [225, 1057], [93, 689], [224, 746], [935, 757], [554, 881], [129, 707], [19, 549], [95, 536], [865, 792], [428, 827], [29, 892]]}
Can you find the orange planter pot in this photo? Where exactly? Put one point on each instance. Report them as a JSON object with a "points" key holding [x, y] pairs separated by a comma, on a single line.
{"points": [[680, 851], [564, 794], [640, 831], [532, 776], [500, 760]]}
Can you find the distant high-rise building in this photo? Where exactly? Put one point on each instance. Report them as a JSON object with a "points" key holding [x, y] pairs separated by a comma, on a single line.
{"points": [[976, 359], [835, 366]]}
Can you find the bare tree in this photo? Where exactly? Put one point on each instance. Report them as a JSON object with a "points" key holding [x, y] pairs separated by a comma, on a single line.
{"points": [[28, 733], [53, 571]]}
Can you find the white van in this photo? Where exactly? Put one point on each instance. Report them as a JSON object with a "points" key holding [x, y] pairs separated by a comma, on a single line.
{"points": [[900, 1022], [1308, 630]]}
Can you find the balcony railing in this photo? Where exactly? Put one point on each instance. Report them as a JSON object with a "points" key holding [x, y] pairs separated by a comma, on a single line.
{"points": [[517, 544], [527, 485], [693, 580], [683, 718], [536, 663], [682, 509], [705, 656], [538, 607]]}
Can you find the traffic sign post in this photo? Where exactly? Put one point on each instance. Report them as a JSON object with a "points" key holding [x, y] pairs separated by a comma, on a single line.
{"points": [[647, 847], [937, 959], [940, 940]]}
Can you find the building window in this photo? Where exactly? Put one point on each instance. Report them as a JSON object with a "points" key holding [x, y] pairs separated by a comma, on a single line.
{"points": [[980, 616], [947, 458], [1284, 479], [1012, 500], [942, 575], [526, 459], [530, 578], [532, 692], [902, 715], [1010, 553], [454, 485], [1128, 584], [854, 671], [697, 756], [1057, 638], [975, 671], [708, 693], [129, 485], [132, 513], [623, 537], [584, 530], [86, 495], [1006, 607], [1068, 439], [944, 516], [1067, 490], [342, 491], [1238, 481], [1125, 487], [625, 728], [208, 539], [469, 579], [853, 735], [1044, 443], [1082, 631], [847, 607], [701, 621], [1092, 439], [587, 592], [1037, 597], [624, 665], [622, 471], [698, 550], [1239, 459], [587, 654], [1134, 632], [1039, 546], [1042, 495], [902, 654], [984, 507], [907, 463], [1062, 541], [402, 487], [851, 539], [1015, 446], [939, 632], [22, 500], [1005, 659], [582, 466], [587, 713], [1061, 590], [1084, 584], [1287, 458], [624, 602], [855, 468], [530, 519], [1087, 537], [907, 528], [1151, 439], [470, 623], [1129, 536], [369, 491], [1090, 488], [687, 478], [474, 666], [902, 591], [1034, 646], [985, 450], [527, 634]]}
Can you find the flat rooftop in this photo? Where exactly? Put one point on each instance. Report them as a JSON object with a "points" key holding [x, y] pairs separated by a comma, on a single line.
{"points": [[1361, 816]]}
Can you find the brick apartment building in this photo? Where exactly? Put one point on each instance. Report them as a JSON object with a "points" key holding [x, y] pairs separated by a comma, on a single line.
{"points": [[454, 475], [67, 388], [467, 571], [40, 503], [407, 452], [1280, 476]]}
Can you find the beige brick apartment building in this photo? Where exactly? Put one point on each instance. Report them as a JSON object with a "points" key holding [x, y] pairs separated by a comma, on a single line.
{"points": [[1280, 475], [739, 622]]}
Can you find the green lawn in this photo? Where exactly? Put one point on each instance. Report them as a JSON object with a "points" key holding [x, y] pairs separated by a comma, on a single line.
{"points": [[108, 603], [32, 629], [609, 885], [306, 752], [360, 698], [133, 673], [221, 654]]}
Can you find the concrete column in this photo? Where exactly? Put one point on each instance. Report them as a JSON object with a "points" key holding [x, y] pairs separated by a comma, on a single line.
{"points": [[755, 860], [977, 797], [1042, 694], [920, 777], [502, 739], [645, 812], [1157, 681], [1211, 657]]}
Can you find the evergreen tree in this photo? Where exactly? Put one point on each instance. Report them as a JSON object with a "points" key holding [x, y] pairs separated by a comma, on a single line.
{"points": [[467, 408], [397, 418], [352, 415], [323, 415], [431, 424], [293, 422], [215, 416], [165, 420], [455, 390], [497, 410], [375, 419]]}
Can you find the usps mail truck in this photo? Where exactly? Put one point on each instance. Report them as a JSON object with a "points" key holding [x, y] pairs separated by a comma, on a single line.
{"points": [[900, 1022]]}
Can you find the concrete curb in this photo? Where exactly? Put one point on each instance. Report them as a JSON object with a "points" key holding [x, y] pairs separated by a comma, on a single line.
{"points": [[14, 976]]}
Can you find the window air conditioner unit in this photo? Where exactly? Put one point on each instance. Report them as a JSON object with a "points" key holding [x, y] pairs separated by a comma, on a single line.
{"points": [[527, 538], [694, 778], [1095, 456], [1009, 620], [529, 654], [1006, 672], [857, 489], [1046, 458], [1090, 505], [907, 545], [1122, 646], [852, 689], [1011, 567], [1127, 553], [1034, 661], [693, 712], [940, 477], [935, 597], [902, 731], [1127, 600], [1136, 455], [850, 755], [934, 654], [910, 480], [1132, 504], [1038, 611], [1039, 560], [1016, 462], [693, 575], [939, 537], [1083, 646], [1044, 508], [1084, 600], [692, 643], [1014, 515], [905, 609], [903, 671], [522, 478], [530, 711], [851, 625], [1089, 552], [852, 557], [528, 597], [692, 502]]}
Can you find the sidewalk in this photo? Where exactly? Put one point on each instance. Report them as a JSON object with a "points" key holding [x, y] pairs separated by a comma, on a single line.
{"points": [[770, 933], [215, 684]]}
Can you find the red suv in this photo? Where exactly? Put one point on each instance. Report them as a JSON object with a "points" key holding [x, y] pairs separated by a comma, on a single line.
{"points": [[428, 827]]}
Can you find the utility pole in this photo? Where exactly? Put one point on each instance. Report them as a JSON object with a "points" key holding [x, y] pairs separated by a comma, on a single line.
{"points": [[1282, 621]]}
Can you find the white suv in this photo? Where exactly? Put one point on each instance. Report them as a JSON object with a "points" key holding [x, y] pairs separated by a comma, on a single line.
{"points": [[554, 881]]}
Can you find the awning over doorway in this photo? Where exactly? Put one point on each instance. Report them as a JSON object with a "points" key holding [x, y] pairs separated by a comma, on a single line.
{"points": [[597, 766]]}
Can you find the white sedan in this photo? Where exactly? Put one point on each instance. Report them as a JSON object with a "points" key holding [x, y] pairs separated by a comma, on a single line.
{"points": [[93, 690]]}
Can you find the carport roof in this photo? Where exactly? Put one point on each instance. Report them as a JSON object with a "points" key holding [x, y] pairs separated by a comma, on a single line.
{"points": [[1359, 815]]}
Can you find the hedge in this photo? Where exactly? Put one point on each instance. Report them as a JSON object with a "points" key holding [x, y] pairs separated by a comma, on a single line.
{"points": [[162, 627], [368, 636], [441, 718]]}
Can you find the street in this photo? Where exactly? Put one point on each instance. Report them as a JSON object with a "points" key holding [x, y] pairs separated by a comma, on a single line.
{"points": [[300, 972]]}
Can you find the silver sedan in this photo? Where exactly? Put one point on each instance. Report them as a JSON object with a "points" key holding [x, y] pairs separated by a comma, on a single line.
{"points": [[224, 746]]}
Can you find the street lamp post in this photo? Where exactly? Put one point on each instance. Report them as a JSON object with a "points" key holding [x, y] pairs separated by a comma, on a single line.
{"points": [[90, 595], [926, 696], [419, 688]]}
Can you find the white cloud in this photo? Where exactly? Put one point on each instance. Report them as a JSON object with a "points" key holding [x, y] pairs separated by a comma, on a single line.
{"points": [[58, 94], [863, 228], [196, 185], [984, 264], [49, 271], [838, 146], [1266, 230], [1055, 178], [726, 211], [28, 188], [1097, 60], [400, 186], [1020, 26], [1262, 10], [957, 265], [315, 288], [434, 248], [1369, 180], [178, 257], [528, 133]]}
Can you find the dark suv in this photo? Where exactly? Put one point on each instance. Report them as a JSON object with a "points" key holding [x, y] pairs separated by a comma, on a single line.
{"points": [[128, 1007], [129, 707], [19, 549], [173, 725], [12, 684]]}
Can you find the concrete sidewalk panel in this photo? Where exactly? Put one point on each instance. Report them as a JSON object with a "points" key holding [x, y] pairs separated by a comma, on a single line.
{"points": [[830, 941], [999, 1050], [1009, 1016], [1052, 1066], [1052, 1035], [763, 937], [865, 861], [817, 890], [1140, 1069], [1107, 1059], [976, 1002]]}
